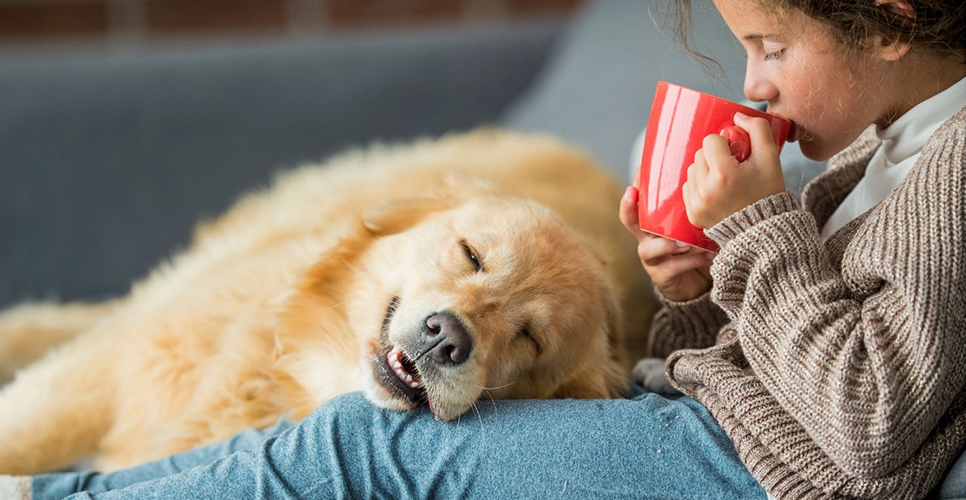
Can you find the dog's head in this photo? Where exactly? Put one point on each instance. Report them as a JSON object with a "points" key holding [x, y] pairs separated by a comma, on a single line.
{"points": [[456, 297]]}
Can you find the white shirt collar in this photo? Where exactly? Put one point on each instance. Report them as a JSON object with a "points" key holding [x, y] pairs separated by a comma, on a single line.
{"points": [[906, 136]]}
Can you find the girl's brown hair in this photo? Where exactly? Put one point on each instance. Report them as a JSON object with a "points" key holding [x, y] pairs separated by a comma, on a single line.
{"points": [[938, 24]]}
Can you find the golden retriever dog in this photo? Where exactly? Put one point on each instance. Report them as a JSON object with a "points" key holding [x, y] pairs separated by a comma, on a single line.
{"points": [[487, 264]]}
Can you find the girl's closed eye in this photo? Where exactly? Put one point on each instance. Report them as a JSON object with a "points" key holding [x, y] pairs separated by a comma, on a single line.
{"points": [[772, 50], [769, 56]]}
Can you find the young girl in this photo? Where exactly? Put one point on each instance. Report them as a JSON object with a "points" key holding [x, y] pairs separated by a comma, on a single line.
{"points": [[823, 350], [838, 326]]}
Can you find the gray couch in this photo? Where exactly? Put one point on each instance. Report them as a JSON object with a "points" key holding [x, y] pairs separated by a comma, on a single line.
{"points": [[108, 157]]}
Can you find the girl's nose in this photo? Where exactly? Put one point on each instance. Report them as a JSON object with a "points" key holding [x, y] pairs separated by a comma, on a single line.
{"points": [[758, 87]]}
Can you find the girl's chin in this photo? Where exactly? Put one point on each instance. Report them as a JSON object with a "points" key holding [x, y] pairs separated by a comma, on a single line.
{"points": [[815, 150]]}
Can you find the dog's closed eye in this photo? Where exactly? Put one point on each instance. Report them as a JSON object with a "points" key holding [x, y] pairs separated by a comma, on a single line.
{"points": [[471, 255], [525, 333]]}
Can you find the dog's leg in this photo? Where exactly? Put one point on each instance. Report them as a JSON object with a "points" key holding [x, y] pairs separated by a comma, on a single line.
{"points": [[29, 331], [57, 410]]}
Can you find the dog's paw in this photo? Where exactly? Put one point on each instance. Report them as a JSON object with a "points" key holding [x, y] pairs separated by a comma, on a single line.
{"points": [[649, 372], [15, 487]]}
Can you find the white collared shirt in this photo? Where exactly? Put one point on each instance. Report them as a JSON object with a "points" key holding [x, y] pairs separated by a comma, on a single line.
{"points": [[902, 142]]}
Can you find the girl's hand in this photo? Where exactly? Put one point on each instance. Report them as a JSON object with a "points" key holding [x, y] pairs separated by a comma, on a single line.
{"points": [[680, 273], [719, 186]]}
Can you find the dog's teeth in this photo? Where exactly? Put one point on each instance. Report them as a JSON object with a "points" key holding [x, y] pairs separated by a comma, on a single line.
{"points": [[397, 365], [409, 378], [413, 385]]}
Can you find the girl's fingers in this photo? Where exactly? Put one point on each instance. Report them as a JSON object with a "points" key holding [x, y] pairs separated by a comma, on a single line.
{"points": [[692, 188], [628, 213], [706, 271], [698, 170], [717, 152], [674, 266], [759, 130], [655, 249], [682, 263], [688, 203]]}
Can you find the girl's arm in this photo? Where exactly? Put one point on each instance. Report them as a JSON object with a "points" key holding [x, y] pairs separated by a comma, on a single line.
{"points": [[866, 356], [692, 324]]}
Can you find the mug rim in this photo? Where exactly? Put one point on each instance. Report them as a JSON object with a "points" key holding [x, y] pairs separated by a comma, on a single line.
{"points": [[699, 247], [729, 101]]}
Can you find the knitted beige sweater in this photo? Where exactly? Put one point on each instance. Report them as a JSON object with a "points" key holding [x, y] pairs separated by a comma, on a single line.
{"points": [[838, 370]]}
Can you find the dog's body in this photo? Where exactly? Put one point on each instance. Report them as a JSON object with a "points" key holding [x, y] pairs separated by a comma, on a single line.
{"points": [[427, 272]]}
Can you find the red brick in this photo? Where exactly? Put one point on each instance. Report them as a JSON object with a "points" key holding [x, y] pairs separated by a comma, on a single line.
{"points": [[53, 20], [208, 16], [354, 13], [527, 7]]}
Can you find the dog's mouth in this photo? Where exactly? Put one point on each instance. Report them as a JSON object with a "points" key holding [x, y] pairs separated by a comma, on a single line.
{"points": [[399, 372], [402, 375]]}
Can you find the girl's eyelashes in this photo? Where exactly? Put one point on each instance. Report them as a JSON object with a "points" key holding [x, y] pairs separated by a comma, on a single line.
{"points": [[769, 51], [771, 48], [771, 56]]}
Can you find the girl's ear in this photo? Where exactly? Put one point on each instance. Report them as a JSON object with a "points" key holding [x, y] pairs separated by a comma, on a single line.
{"points": [[900, 8], [893, 49]]}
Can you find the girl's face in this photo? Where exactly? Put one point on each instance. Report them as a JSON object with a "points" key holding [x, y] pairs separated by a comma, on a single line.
{"points": [[804, 75]]}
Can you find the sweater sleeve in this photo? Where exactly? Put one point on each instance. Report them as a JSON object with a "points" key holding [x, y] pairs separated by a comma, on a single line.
{"points": [[868, 359], [691, 324]]}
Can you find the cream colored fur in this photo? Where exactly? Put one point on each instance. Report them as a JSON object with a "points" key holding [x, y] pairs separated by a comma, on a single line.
{"points": [[279, 304]]}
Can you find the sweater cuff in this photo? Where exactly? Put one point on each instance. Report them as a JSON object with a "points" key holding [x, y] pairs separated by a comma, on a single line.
{"points": [[734, 224], [682, 304], [688, 324]]}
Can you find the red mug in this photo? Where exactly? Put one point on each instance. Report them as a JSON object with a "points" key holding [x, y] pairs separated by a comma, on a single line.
{"points": [[680, 120]]}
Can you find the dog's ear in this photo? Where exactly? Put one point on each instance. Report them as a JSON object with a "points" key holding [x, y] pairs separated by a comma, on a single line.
{"points": [[601, 378], [396, 216], [461, 184], [594, 382]]}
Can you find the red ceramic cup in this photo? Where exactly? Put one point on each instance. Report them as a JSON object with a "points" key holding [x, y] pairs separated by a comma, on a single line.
{"points": [[680, 120]]}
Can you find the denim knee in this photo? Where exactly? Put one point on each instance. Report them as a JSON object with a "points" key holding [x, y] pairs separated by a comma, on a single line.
{"points": [[343, 412], [353, 404]]}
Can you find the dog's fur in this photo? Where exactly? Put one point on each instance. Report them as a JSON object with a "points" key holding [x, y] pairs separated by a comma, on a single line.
{"points": [[298, 293]]}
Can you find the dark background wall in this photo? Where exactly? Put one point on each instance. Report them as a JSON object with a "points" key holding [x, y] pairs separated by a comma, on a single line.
{"points": [[143, 21]]}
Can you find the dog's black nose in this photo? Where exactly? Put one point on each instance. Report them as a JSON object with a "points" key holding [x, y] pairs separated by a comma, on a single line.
{"points": [[447, 338]]}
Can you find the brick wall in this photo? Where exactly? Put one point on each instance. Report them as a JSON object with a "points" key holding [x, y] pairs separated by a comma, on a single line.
{"points": [[44, 21]]}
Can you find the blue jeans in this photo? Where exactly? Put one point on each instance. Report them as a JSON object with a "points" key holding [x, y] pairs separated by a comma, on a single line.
{"points": [[649, 446]]}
